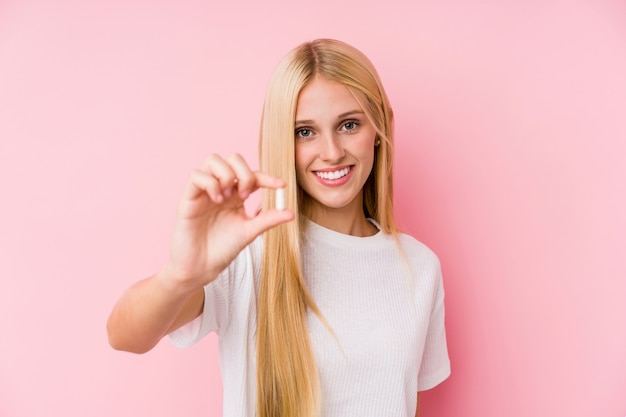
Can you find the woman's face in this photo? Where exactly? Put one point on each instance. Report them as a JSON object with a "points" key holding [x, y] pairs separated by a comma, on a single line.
{"points": [[334, 148]]}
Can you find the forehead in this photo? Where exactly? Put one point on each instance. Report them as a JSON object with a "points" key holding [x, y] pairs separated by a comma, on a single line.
{"points": [[325, 98]]}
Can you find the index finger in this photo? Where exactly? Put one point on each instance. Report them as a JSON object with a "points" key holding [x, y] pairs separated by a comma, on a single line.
{"points": [[264, 180]]}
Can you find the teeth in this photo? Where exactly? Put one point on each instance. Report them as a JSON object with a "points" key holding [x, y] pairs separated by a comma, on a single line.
{"points": [[333, 175]]}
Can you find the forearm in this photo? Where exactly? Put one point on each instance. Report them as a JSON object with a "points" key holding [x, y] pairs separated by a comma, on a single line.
{"points": [[149, 310], [212, 227]]}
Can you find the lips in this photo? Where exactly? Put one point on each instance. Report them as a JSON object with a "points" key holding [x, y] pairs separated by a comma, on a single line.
{"points": [[333, 175]]}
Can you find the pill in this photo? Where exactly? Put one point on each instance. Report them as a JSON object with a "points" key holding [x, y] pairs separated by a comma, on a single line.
{"points": [[280, 199]]}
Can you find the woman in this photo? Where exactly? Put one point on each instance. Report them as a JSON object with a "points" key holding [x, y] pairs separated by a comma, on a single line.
{"points": [[323, 308]]}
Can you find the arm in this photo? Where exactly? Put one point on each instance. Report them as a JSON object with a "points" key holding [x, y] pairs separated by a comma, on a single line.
{"points": [[148, 311], [211, 228]]}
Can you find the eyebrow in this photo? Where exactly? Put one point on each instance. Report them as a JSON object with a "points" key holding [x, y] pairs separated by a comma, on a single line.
{"points": [[341, 116]]}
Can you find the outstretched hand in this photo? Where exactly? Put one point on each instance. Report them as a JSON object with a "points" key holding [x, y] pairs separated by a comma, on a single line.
{"points": [[212, 226]]}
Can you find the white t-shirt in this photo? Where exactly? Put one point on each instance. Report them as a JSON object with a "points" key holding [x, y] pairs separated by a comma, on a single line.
{"points": [[390, 324]]}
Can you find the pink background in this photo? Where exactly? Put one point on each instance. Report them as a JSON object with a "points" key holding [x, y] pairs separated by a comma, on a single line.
{"points": [[511, 132]]}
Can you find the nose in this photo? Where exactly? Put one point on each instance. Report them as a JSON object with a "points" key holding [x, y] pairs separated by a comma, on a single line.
{"points": [[331, 149]]}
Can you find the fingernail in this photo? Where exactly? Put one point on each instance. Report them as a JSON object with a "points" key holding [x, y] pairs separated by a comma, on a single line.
{"points": [[227, 192]]}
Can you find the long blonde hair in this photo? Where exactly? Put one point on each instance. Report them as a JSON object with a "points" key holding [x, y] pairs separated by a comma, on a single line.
{"points": [[287, 380]]}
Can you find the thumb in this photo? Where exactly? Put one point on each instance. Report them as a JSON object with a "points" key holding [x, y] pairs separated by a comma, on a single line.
{"points": [[266, 220]]}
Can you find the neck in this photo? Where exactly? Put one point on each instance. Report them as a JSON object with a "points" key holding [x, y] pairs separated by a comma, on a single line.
{"points": [[342, 221]]}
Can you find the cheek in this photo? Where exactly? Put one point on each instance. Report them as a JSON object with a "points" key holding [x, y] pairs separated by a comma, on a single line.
{"points": [[367, 146], [368, 135], [301, 163], [298, 158]]}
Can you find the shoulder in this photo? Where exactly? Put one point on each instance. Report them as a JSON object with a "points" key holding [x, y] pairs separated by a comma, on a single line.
{"points": [[417, 250], [422, 261]]}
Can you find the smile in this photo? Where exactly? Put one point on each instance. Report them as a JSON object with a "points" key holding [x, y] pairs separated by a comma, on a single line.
{"points": [[333, 175]]}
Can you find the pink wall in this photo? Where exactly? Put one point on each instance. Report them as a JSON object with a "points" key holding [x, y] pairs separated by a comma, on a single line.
{"points": [[511, 129]]}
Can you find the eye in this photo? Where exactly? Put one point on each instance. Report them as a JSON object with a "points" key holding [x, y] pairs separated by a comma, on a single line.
{"points": [[303, 133], [350, 125]]}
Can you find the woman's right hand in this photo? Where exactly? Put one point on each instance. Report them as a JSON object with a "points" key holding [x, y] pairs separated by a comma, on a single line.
{"points": [[212, 226]]}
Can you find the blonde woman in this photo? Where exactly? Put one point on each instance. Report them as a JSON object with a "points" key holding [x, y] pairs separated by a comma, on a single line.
{"points": [[323, 308]]}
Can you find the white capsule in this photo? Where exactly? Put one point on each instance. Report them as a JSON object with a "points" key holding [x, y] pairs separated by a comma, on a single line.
{"points": [[280, 199]]}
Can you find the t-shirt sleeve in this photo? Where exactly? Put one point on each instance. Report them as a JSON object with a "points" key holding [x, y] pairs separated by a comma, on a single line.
{"points": [[435, 365], [218, 299]]}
